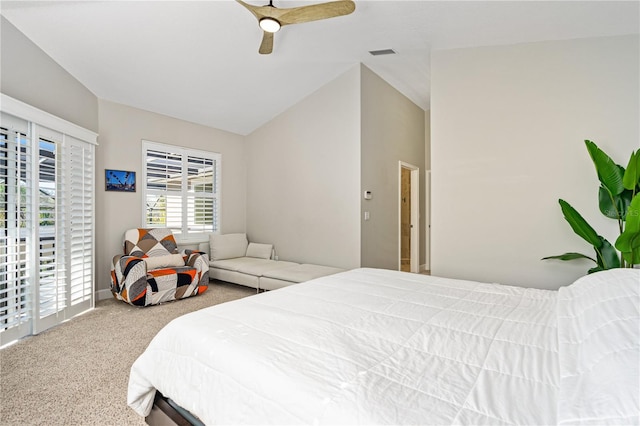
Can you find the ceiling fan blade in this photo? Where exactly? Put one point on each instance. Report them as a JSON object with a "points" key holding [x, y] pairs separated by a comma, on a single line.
{"points": [[266, 47], [262, 11], [251, 8], [315, 12], [296, 15]]}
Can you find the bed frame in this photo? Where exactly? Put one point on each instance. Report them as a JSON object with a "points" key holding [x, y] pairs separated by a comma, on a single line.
{"points": [[166, 412]]}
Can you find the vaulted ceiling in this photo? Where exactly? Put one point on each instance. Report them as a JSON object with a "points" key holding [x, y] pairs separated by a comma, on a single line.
{"points": [[199, 61]]}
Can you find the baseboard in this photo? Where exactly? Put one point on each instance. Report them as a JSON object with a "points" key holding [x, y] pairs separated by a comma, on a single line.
{"points": [[103, 294], [423, 268]]}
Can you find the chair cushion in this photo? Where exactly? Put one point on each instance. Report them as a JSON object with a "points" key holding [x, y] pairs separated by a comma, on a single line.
{"points": [[263, 266], [302, 273], [167, 261], [261, 251], [228, 246], [143, 242], [234, 264], [251, 265]]}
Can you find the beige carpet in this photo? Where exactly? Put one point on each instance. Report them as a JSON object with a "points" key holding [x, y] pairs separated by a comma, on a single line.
{"points": [[77, 372]]}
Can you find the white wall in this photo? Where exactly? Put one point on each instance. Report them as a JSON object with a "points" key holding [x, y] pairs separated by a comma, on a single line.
{"points": [[122, 129], [30, 75], [508, 125], [303, 177], [392, 131]]}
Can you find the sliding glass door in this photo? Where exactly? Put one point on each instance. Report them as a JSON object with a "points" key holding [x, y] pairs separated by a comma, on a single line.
{"points": [[46, 244]]}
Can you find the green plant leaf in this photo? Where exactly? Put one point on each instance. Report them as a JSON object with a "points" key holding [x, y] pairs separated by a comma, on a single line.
{"points": [[631, 177], [629, 244], [570, 256], [614, 206], [632, 257], [606, 255], [629, 240], [595, 269], [607, 204], [609, 173], [579, 225]]}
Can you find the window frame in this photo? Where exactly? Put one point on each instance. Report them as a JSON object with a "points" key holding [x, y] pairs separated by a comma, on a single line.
{"points": [[184, 236]]}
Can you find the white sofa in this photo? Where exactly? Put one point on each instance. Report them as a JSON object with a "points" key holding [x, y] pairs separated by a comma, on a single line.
{"points": [[234, 259]]}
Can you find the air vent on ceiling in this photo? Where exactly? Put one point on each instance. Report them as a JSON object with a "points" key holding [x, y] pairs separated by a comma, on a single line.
{"points": [[382, 52]]}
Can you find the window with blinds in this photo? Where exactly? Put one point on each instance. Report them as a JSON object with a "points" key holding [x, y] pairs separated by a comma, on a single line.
{"points": [[181, 189], [46, 210]]}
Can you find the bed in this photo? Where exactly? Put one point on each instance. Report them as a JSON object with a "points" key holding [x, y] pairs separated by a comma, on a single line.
{"points": [[372, 346]]}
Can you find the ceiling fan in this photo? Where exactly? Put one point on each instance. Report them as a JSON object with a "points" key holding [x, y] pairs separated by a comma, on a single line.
{"points": [[271, 18]]}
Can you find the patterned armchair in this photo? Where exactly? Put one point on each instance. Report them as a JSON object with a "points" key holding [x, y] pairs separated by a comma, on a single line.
{"points": [[151, 270]]}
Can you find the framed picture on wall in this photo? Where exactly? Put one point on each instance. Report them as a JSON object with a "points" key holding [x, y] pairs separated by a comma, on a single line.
{"points": [[119, 180]]}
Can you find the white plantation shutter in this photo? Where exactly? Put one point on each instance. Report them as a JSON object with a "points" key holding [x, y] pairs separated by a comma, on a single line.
{"points": [[201, 194], [46, 208], [51, 296], [16, 214], [163, 184], [79, 201], [181, 189]]}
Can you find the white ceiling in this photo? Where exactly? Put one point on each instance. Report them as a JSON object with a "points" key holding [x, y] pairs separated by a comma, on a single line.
{"points": [[199, 61]]}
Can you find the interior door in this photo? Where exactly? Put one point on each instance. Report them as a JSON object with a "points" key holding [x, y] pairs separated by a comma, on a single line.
{"points": [[405, 219], [409, 216]]}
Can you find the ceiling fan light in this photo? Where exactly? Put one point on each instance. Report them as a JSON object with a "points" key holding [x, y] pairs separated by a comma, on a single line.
{"points": [[269, 25]]}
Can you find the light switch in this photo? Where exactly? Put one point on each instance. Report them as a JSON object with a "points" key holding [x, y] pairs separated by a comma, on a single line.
{"points": [[366, 215]]}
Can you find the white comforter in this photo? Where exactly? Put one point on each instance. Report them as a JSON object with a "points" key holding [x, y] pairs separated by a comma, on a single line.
{"points": [[599, 348], [362, 347]]}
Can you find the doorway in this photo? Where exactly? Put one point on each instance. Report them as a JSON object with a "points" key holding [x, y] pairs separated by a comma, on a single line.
{"points": [[408, 207]]}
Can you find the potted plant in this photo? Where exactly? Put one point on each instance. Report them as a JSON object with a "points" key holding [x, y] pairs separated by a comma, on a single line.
{"points": [[618, 199]]}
